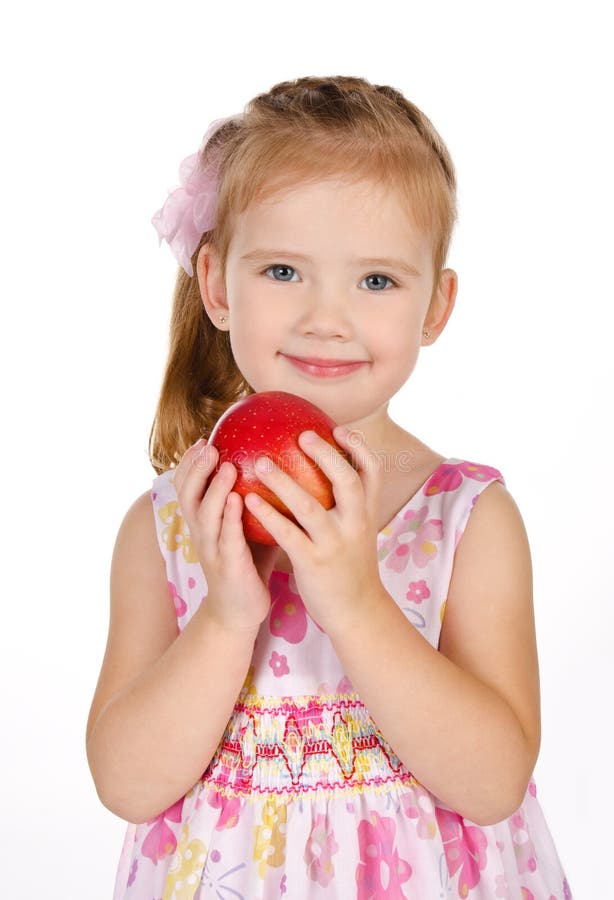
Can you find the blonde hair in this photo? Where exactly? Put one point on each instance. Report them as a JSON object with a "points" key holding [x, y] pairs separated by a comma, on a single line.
{"points": [[299, 131]]}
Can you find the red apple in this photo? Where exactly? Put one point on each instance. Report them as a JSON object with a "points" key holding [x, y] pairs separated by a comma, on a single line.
{"points": [[268, 424]]}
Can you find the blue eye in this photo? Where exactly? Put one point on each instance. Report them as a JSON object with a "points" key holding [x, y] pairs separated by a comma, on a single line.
{"points": [[280, 266], [379, 275], [286, 272]]}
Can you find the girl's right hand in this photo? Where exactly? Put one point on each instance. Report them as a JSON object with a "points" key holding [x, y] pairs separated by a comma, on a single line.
{"points": [[237, 578]]}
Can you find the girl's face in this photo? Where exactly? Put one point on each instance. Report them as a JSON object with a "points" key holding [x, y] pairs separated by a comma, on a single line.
{"points": [[330, 270]]}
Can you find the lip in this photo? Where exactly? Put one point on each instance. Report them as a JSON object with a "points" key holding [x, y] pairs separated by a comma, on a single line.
{"points": [[325, 368]]}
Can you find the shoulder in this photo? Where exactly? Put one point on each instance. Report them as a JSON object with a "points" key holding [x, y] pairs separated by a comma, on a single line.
{"points": [[136, 554], [138, 509], [138, 524], [495, 531], [138, 571], [493, 553]]}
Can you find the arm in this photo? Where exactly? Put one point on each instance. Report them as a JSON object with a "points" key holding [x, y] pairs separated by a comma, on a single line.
{"points": [[464, 719], [162, 700]]}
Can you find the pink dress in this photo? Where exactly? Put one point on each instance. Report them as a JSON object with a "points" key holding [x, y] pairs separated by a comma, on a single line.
{"points": [[304, 797]]}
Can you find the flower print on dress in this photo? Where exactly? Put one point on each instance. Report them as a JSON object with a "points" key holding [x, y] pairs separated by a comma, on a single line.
{"points": [[230, 809], [161, 840], [380, 872], [319, 851], [464, 847], [279, 664], [445, 478], [400, 547], [417, 804], [179, 603], [523, 845], [450, 477], [270, 836], [184, 872], [176, 535], [288, 616], [418, 591]]}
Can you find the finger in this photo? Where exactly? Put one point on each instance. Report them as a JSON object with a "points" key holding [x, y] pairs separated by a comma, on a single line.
{"points": [[198, 451], [347, 483], [186, 460], [365, 461], [288, 536], [195, 475], [308, 511], [354, 443], [213, 507], [231, 530]]}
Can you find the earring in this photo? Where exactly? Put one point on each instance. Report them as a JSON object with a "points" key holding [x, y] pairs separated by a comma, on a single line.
{"points": [[426, 334], [222, 318]]}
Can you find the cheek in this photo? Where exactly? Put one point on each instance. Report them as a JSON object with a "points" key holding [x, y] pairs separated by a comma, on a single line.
{"points": [[397, 341], [398, 352], [254, 347]]}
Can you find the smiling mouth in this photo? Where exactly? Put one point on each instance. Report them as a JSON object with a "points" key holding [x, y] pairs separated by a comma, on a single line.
{"points": [[325, 368]]}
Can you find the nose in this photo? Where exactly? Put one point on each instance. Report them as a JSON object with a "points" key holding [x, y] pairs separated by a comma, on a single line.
{"points": [[327, 315]]}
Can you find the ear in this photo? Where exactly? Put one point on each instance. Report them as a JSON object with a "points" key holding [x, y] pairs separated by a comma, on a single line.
{"points": [[212, 286], [441, 305]]}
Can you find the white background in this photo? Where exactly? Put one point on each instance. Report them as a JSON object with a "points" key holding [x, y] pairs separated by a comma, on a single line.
{"points": [[100, 104]]}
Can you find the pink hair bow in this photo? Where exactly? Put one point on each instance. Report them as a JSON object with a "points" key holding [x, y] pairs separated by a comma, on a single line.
{"points": [[190, 209]]}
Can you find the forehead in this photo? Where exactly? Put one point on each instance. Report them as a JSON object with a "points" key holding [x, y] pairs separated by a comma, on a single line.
{"points": [[334, 213]]}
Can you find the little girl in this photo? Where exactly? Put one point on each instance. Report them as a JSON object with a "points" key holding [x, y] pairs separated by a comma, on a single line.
{"points": [[353, 712]]}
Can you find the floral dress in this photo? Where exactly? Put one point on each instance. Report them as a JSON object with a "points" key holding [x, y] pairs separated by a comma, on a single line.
{"points": [[305, 798]]}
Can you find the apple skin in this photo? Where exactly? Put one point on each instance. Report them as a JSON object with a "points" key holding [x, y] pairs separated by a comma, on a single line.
{"points": [[269, 424]]}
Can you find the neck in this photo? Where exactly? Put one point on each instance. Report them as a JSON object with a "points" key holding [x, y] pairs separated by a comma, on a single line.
{"points": [[378, 429]]}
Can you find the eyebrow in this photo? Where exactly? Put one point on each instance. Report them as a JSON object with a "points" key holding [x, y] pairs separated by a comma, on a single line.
{"points": [[264, 253]]}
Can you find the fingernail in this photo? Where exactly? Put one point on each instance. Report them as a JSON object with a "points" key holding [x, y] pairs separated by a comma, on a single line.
{"points": [[264, 464], [203, 450]]}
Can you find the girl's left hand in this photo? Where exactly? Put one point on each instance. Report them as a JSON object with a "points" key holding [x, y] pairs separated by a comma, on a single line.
{"points": [[335, 562]]}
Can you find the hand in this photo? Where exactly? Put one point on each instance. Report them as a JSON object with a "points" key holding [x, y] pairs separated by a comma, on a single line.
{"points": [[236, 571], [335, 558]]}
